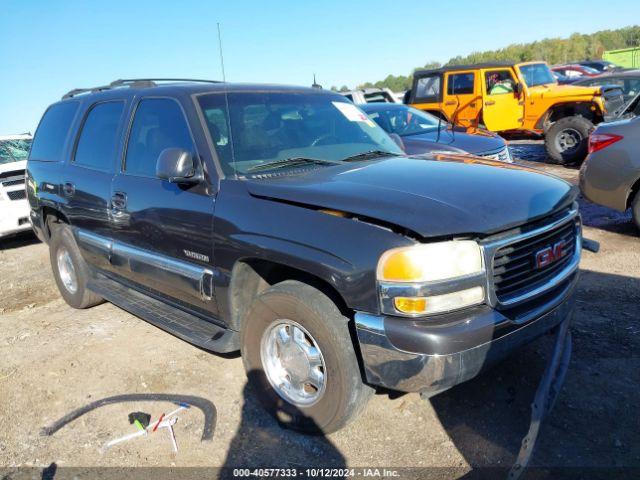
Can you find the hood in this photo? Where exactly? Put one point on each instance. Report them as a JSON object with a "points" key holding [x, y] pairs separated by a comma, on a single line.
{"points": [[445, 195], [9, 167], [560, 91], [477, 144]]}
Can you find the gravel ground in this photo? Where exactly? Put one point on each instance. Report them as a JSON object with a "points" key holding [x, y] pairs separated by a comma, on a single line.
{"points": [[55, 359]]}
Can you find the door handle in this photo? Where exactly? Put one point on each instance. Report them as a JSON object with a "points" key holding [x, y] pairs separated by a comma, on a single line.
{"points": [[69, 189], [119, 201], [489, 103], [450, 102]]}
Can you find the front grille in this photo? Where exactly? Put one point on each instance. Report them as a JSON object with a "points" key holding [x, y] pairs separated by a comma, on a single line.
{"points": [[514, 266], [613, 102], [12, 182], [17, 195]]}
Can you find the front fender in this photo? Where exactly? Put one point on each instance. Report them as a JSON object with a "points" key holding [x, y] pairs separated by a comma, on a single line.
{"points": [[342, 252]]}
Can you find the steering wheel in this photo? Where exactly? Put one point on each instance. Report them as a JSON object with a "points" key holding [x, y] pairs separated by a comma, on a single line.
{"points": [[323, 137]]}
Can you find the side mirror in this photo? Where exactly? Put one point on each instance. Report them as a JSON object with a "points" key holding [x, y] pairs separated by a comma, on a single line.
{"points": [[398, 140], [177, 166], [518, 89]]}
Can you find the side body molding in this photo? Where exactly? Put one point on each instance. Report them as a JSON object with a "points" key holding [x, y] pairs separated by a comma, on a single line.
{"points": [[162, 273]]}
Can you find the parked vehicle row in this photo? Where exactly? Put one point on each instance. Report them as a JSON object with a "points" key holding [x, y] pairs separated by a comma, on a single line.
{"points": [[517, 98], [285, 223]]}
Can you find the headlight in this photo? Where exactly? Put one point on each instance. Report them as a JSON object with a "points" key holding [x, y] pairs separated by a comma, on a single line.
{"points": [[430, 262], [431, 278]]}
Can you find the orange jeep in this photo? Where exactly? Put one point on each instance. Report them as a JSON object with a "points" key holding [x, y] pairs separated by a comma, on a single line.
{"points": [[517, 98]]}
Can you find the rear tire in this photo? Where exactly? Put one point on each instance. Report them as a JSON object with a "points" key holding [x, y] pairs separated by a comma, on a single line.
{"points": [[69, 268], [567, 140], [319, 406], [635, 209]]}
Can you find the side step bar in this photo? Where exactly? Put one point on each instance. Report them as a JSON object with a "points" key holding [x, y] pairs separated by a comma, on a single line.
{"points": [[183, 325]]}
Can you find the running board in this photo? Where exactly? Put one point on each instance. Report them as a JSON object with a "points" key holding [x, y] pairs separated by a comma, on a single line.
{"points": [[183, 325]]}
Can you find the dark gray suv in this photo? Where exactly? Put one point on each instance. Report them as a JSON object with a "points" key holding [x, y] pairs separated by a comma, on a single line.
{"points": [[284, 223]]}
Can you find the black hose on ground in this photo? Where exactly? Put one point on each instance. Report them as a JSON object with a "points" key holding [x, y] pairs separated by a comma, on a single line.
{"points": [[546, 395], [207, 407]]}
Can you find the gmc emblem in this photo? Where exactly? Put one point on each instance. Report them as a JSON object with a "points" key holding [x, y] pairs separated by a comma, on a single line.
{"points": [[551, 254]]}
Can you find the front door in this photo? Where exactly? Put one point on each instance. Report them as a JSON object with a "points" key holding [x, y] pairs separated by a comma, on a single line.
{"points": [[163, 238], [503, 109], [461, 100]]}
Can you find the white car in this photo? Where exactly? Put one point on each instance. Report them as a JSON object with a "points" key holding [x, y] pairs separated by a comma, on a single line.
{"points": [[14, 209]]}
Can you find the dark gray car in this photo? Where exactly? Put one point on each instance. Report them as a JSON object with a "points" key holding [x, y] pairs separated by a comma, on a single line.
{"points": [[422, 132]]}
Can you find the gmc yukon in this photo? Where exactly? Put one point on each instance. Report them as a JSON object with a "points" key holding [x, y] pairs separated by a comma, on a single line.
{"points": [[282, 222]]}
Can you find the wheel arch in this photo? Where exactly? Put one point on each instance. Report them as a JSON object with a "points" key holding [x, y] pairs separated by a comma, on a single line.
{"points": [[49, 216], [568, 109], [251, 276], [633, 191]]}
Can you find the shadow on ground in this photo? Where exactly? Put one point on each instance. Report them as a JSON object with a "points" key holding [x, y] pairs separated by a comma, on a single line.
{"points": [[260, 442], [18, 241]]}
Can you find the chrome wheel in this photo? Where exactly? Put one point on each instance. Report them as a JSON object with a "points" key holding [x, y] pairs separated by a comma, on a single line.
{"points": [[293, 363], [67, 271], [568, 140]]}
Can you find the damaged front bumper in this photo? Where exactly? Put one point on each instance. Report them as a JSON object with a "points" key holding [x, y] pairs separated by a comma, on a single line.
{"points": [[430, 356]]}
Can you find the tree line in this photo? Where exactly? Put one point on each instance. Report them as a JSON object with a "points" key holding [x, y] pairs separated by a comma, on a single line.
{"points": [[576, 48]]}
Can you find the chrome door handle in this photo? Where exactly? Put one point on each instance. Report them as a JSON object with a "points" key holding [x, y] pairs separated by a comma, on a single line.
{"points": [[489, 103]]}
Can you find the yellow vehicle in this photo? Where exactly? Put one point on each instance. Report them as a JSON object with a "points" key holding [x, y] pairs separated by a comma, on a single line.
{"points": [[517, 98]]}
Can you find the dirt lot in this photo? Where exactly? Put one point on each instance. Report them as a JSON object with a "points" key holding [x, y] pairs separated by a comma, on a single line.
{"points": [[55, 359]]}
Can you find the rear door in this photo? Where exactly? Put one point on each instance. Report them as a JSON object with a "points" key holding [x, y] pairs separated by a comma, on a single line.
{"points": [[461, 101], [86, 179], [162, 231], [503, 109]]}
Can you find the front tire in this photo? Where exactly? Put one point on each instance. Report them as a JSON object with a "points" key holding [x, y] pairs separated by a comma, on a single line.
{"points": [[567, 140], [69, 268], [300, 360]]}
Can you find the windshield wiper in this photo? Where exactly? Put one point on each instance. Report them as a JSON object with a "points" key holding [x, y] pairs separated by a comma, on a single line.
{"points": [[368, 154], [292, 162]]}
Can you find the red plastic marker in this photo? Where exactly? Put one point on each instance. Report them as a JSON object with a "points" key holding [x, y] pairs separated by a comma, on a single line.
{"points": [[155, 427]]}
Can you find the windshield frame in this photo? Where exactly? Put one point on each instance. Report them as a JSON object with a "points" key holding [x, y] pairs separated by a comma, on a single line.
{"points": [[535, 64], [218, 162]]}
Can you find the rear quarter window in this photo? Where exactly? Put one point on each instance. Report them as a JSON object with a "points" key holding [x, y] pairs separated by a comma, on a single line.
{"points": [[53, 130], [427, 89]]}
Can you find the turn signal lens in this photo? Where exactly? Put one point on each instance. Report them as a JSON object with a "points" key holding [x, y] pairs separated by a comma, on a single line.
{"points": [[430, 262], [411, 305]]}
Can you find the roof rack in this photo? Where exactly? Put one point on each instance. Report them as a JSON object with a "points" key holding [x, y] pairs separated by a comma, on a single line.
{"points": [[132, 83]]}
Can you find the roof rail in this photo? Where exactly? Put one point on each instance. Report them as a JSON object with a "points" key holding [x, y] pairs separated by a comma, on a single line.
{"points": [[132, 83]]}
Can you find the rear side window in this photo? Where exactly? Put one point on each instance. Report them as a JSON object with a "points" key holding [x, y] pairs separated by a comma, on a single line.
{"points": [[52, 132], [99, 136], [158, 124], [460, 84]]}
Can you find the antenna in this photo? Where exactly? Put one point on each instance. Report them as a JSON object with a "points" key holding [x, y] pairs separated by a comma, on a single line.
{"points": [[226, 101], [224, 78]]}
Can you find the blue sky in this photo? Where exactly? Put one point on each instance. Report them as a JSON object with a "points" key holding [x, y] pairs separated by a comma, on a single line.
{"points": [[51, 46]]}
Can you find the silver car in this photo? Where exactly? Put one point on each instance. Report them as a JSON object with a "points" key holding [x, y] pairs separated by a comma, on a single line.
{"points": [[610, 175]]}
